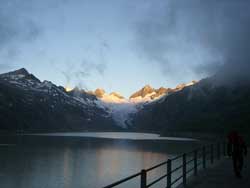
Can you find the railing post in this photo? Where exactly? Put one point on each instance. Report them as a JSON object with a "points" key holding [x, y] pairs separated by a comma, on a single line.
{"points": [[212, 153], [169, 173], [143, 179], [218, 151], [184, 168], [195, 162], [204, 157], [224, 148]]}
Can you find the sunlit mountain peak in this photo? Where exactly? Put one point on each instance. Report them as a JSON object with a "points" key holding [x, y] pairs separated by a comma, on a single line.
{"points": [[68, 88]]}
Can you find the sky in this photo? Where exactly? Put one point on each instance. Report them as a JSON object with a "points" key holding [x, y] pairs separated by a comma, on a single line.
{"points": [[122, 45]]}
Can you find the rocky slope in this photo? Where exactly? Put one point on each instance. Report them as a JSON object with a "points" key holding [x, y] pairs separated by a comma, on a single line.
{"points": [[202, 107], [27, 104], [113, 97], [119, 108], [122, 110], [148, 93]]}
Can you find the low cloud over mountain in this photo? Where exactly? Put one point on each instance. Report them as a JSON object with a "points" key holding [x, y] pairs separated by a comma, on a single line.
{"points": [[196, 38]]}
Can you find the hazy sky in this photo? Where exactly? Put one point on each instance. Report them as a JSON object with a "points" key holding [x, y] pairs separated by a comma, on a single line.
{"points": [[122, 45]]}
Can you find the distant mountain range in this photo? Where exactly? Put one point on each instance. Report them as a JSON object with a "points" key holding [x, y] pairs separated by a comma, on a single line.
{"points": [[27, 104], [145, 94]]}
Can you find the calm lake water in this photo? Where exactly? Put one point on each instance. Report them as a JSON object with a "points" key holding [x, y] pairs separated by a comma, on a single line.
{"points": [[84, 160]]}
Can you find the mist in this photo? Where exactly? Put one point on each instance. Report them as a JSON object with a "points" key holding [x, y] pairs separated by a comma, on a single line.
{"points": [[198, 37]]}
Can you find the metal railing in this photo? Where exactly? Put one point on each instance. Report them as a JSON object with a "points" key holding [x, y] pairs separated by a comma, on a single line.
{"points": [[196, 159]]}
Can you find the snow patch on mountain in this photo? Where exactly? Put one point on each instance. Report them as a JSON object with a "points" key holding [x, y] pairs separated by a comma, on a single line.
{"points": [[24, 80], [114, 104], [147, 98], [122, 109], [120, 112], [113, 98]]}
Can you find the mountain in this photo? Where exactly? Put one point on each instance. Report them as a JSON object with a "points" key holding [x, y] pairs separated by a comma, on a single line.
{"points": [[18, 74], [119, 108], [27, 104], [148, 93], [182, 86], [146, 90], [117, 95], [122, 110], [113, 97], [99, 92], [205, 106]]}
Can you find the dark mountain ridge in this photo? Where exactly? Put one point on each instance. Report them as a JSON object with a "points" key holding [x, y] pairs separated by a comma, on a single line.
{"points": [[202, 107], [27, 104]]}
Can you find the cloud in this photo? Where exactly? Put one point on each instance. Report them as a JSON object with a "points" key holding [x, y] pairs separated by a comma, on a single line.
{"points": [[15, 29], [76, 73], [18, 27], [195, 36]]}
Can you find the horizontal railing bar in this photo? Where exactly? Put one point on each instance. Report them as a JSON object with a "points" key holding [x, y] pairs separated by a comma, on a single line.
{"points": [[157, 180], [199, 154], [123, 180], [156, 166], [177, 179], [190, 170], [198, 164], [177, 168], [189, 161], [177, 157]]}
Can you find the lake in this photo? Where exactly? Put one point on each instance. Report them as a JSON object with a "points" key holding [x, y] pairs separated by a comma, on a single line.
{"points": [[84, 160]]}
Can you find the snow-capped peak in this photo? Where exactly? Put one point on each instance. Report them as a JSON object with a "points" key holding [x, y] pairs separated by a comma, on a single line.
{"points": [[99, 92], [146, 90], [181, 86], [113, 97], [21, 71], [20, 75], [147, 93]]}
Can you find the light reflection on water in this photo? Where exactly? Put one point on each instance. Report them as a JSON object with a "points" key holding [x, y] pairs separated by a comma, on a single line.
{"points": [[118, 135], [59, 162]]}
